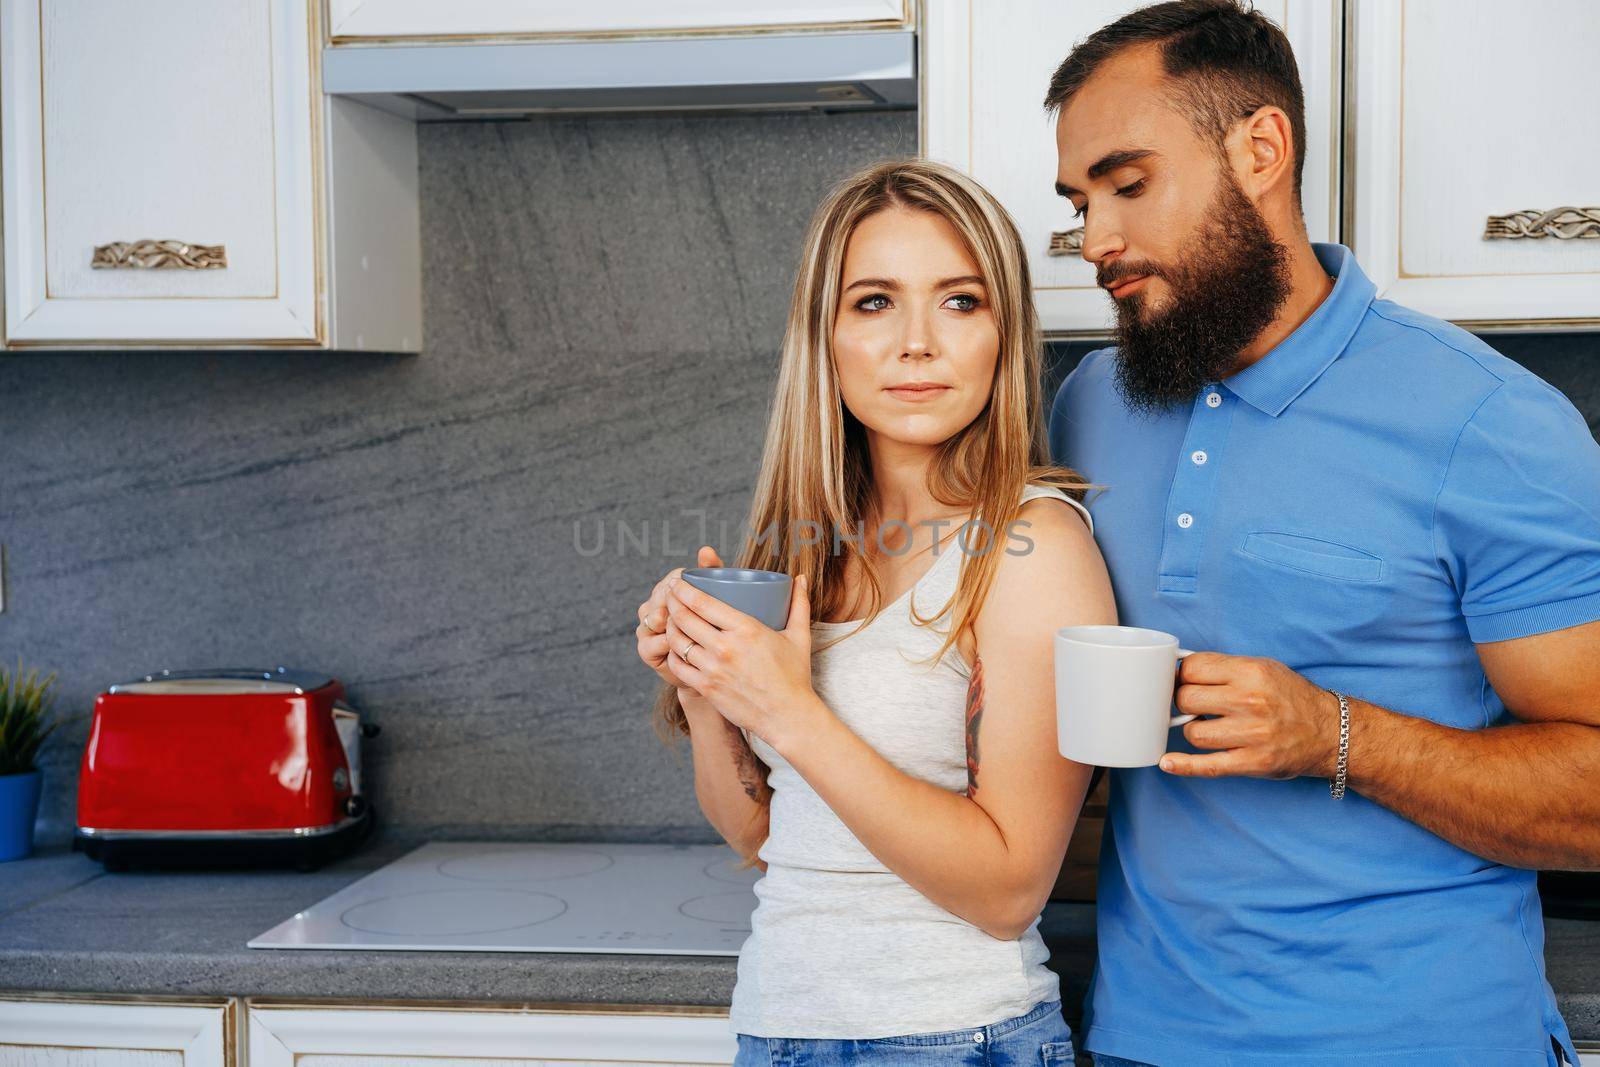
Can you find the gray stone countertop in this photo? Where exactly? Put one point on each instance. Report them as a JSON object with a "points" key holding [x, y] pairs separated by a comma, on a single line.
{"points": [[67, 925]]}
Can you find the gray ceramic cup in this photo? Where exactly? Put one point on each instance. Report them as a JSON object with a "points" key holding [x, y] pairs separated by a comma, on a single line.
{"points": [[764, 594]]}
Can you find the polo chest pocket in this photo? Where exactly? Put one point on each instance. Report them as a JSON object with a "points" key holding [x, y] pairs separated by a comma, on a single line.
{"points": [[1314, 556]]}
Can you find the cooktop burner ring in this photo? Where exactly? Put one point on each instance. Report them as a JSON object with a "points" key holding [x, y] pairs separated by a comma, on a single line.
{"points": [[723, 870], [714, 905], [410, 915], [525, 863]]}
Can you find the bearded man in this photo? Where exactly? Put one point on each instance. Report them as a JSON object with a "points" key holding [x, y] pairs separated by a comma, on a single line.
{"points": [[1386, 537]]}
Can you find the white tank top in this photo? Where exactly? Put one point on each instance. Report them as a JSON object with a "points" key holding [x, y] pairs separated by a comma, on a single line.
{"points": [[840, 946]]}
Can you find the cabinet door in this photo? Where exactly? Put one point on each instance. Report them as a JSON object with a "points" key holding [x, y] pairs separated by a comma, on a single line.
{"points": [[334, 1036], [985, 68], [81, 1032], [1463, 117], [182, 121], [353, 20]]}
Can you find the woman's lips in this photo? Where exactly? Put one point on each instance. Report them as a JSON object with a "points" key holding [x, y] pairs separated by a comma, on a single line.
{"points": [[1131, 285], [916, 392]]}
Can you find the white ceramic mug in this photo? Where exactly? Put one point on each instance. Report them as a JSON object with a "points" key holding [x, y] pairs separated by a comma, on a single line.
{"points": [[1114, 689]]}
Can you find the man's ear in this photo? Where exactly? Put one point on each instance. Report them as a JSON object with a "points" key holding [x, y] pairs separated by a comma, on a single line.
{"points": [[1271, 150]]}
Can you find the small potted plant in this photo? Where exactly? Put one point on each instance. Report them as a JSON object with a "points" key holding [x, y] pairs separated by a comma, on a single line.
{"points": [[23, 703]]}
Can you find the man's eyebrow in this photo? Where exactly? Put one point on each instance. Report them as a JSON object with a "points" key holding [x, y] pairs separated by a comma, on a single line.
{"points": [[891, 284], [1109, 162]]}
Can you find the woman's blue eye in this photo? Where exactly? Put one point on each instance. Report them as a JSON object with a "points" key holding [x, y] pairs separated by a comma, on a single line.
{"points": [[880, 302]]}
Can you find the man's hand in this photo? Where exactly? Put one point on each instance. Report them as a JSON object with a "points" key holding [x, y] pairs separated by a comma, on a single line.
{"points": [[1509, 792], [1270, 722]]}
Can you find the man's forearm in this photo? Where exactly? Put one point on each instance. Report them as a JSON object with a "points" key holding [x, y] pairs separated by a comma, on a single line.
{"points": [[1521, 794]]}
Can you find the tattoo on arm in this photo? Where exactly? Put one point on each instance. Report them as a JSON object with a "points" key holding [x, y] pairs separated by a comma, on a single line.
{"points": [[752, 772], [974, 718]]}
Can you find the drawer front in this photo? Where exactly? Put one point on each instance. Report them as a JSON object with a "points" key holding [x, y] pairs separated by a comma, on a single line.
{"points": [[362, 20], [159, 171], [523, 1035], [117, 1030], [1461, 179], [165, 155]]}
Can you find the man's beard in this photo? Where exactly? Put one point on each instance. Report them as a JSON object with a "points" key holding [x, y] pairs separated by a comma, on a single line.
{"points": [[1227, 288]]}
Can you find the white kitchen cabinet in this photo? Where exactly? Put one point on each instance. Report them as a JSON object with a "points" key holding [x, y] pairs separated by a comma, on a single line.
{"points": [[984, 70], [1459, 117], [289, 1035], [353, 21], [190, 142], [120, 1032], [1588, 1053]]}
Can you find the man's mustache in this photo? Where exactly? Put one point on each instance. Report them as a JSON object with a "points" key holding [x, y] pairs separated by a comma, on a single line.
{"points": [[1120, 271]]}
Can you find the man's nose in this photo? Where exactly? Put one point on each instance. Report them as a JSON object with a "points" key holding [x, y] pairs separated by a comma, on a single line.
{"points": [[1102, 239]]}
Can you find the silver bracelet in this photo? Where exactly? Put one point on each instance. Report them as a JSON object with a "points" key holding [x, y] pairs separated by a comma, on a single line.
{"points": [[1336, 784]]}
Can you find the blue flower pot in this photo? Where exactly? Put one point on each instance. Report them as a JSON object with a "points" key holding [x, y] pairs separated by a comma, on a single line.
{"points": [[19, 806]]}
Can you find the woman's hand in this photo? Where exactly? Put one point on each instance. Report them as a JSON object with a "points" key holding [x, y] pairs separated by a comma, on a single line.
{"points": [[757, 677], [652, 629]]}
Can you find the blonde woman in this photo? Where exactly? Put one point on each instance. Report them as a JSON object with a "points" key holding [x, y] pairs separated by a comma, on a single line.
{"points": [[889, 758]]}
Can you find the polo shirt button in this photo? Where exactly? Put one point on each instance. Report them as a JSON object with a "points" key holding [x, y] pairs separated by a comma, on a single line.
{"points": [[1213, 400], [977, 1035], [1199, 456], [1185, 520]]}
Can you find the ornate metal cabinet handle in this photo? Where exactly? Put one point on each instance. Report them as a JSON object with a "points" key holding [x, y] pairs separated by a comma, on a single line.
{"points": [[1562, 223], [160, 255], [1066, 242]]}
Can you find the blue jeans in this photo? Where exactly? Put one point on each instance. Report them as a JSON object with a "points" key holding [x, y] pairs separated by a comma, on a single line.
{"points": [[1038, 1038]]}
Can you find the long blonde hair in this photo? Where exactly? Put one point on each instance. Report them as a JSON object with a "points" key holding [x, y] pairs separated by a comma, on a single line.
{"points": [[815, 471]]}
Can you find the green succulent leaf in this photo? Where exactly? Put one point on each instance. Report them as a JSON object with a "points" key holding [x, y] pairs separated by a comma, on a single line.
{"points": [[24, 704]]}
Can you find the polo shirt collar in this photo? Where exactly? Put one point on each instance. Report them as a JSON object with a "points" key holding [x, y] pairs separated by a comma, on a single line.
{"points": [[1272, 382]]}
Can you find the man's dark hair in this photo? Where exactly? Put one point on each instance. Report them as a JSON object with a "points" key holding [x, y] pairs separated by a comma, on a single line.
{"points": [[1224, 60]]}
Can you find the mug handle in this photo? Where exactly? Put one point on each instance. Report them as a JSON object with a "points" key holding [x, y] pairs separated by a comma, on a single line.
{"points": [[1179, 720]]}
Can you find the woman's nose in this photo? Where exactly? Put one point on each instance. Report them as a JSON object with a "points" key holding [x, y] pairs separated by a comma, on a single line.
{"points": [[917, 341]]}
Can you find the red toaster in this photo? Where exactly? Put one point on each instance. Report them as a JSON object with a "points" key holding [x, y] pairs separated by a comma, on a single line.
{"points": [[215, 767]]}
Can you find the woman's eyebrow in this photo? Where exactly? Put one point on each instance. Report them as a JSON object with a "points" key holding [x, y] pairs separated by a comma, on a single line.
{"points": [[891, 284]]}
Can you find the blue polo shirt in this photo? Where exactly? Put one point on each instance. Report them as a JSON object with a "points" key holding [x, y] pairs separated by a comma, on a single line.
{"points": [[1378, 493]]}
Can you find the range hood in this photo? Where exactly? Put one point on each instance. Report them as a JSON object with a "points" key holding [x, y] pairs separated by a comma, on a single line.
{"points": [[507, 79]]}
